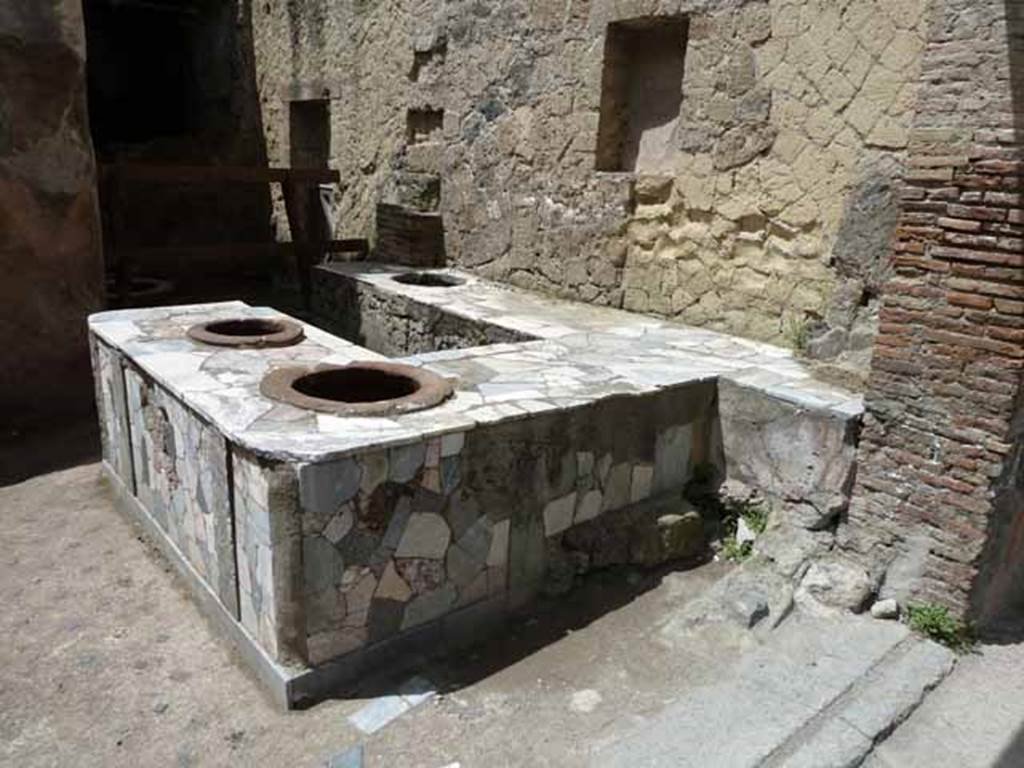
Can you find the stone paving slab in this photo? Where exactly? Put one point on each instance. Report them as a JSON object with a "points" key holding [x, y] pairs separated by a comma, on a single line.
{"points": [[752, 710], [845, 733], [974, 719]]}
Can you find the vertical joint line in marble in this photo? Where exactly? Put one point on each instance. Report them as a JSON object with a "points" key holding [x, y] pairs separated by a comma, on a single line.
{"points": [[134, 487], [229, 457]]}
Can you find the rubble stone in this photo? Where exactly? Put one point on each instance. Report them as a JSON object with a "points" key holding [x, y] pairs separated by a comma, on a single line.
{"points": [[886, 609], [837, 583]]}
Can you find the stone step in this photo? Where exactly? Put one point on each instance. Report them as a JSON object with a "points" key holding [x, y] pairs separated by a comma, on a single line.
{"points": [[843, 734], [816, 691]]}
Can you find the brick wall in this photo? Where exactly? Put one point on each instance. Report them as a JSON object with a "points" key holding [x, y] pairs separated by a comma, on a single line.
{"points": [[409, 237], [938, 506]]}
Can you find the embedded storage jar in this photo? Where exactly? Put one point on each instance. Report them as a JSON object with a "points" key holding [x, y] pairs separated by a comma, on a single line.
{"points": [[357, 389], [248, 332]]}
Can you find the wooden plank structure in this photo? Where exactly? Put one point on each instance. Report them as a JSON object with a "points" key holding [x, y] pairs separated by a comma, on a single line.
{"points": [[311, 240]]}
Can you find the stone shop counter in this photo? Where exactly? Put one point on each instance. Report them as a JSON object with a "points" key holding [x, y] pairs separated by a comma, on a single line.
{"points": [[325, 545]]}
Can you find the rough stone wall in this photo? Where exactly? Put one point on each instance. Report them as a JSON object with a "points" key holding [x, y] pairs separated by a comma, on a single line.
{"points": [[769, 214], [394, 325], [49, 233], [938, 503]]}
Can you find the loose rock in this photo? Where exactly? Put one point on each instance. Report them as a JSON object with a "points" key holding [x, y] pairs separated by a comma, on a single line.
{"points": [[886, 609], [837, 583]]}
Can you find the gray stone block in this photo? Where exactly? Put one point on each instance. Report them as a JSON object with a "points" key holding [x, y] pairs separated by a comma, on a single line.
{"points": [[429, 606], [404, 462], [323, 488]]}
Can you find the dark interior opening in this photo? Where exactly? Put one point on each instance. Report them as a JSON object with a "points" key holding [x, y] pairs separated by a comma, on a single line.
{"points": [[141, 287], [424, 125], [427, 65], [428, 279], [248, 327], [309, 126], [171, 83], [355, 385], [139, 75], [641, 92]]}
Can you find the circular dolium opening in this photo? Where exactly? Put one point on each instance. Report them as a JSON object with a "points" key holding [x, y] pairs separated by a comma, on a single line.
{"points": [[355, 385], [429, 279], [247, 327]]}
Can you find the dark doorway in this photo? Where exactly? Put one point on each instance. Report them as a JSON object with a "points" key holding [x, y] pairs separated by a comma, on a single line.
{"points": [[139, 74], [171, 85], [309, 126]]}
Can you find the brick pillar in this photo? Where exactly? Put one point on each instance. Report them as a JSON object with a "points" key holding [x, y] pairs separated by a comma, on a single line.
{"points": [[938, 506]]}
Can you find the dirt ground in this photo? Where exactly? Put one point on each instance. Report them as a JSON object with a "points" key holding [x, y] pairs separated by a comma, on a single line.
{"points": [[106, 662]]}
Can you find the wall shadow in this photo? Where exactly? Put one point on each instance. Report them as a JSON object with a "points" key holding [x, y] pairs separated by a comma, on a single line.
{"points": [[175, 85], [525, 632], [1013, 755], [39, 449]]}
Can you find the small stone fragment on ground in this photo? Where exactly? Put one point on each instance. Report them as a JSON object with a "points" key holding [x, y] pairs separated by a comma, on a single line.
{"points": [[749, 606], [585, 701], [753, 596], [886, 609], [744, 533], [350, 758]]}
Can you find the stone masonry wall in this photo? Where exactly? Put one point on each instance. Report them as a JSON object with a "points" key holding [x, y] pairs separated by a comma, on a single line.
{"points": [[50, 264], [344, 555], [394, 325], [938, 502], [767, 211]]}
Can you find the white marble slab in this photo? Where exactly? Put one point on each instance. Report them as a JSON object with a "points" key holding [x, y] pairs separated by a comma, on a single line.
{"points": [[582, 354]]}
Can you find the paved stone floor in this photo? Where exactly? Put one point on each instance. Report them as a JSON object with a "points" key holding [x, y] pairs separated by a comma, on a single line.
{"points": [[105, 662], [975, 719]]}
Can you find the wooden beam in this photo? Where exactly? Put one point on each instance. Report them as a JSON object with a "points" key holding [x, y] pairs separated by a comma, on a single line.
{"points": [[356, 245], [215, 174]]}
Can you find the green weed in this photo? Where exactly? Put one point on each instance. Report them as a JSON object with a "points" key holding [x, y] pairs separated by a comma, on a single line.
{"points": [[936, 622]]}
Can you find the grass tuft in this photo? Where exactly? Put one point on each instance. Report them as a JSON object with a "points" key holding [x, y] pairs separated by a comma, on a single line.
{"points": [[797, 332], [936, 622], [735, 552]]}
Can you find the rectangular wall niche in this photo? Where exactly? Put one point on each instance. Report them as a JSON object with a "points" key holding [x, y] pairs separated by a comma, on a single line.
{"points": [[641, 93], [309, 126], [424, 125]]}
